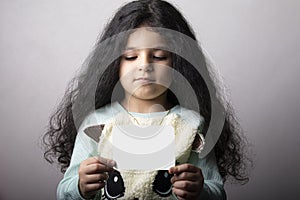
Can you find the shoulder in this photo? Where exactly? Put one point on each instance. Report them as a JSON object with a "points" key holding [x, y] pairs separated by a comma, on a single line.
{"points": [[189, 116], [94, 122], [100, 116]]}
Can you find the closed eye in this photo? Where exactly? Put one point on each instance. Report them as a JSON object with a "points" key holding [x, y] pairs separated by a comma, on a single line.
{"points": [[160, 57], [130, 58]]}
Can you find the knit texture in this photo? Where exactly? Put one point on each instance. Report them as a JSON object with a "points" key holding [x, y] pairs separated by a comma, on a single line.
{"points": [[138, 183]]}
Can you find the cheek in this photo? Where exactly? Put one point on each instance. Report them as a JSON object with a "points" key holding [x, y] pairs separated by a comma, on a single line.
{"points": [[125, 78], [122, 70], [165, 77], [125, 68], [125, 75]]}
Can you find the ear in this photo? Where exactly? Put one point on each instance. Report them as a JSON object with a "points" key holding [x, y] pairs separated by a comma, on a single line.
{"points": [[94, 132]]}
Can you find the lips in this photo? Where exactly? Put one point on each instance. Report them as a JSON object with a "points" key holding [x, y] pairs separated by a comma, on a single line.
{"points": [[144, 80]]}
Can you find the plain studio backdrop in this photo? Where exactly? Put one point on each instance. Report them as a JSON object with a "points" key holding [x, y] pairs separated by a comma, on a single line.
{"points": [[255, 45]]}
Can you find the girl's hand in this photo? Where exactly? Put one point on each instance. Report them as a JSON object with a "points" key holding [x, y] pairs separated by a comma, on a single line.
{"points": [[92, 175], [187, 181]]}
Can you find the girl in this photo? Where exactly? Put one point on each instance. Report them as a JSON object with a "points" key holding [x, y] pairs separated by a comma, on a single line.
{"points": [[137, 70]]}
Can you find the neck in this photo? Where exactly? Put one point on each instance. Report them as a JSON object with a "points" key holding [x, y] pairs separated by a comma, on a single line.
{"points": [[133, 104]]}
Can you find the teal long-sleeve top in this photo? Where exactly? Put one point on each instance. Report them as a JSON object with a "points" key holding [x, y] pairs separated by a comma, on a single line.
{"points": [[86, 147]]}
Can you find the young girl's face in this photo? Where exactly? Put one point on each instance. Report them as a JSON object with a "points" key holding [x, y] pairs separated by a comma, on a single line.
{"points": [[145, 69]]}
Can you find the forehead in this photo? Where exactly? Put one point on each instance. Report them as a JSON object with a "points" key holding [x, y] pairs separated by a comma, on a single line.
{"points": [[145, 37]]}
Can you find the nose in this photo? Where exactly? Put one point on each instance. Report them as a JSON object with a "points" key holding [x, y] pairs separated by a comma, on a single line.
{"points": [[145, 62]]}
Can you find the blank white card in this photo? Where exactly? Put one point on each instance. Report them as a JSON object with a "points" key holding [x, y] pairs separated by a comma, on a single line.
{"points": [[143, 148]]}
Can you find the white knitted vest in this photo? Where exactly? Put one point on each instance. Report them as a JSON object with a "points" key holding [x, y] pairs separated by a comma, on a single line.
{"points": [[138, 183]]}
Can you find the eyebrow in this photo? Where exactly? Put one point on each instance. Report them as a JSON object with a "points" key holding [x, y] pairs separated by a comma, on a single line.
{"points": [[155, 48]]}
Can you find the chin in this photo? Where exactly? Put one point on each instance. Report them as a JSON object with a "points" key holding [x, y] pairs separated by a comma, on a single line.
{"points": [[148, 95]]}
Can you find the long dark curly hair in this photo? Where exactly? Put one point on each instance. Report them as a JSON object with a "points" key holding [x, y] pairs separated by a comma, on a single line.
{"points": [[60, 137]]}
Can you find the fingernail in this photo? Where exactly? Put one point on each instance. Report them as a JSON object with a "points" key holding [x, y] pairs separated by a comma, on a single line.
{"points": [[172, 180], [112, 163]]}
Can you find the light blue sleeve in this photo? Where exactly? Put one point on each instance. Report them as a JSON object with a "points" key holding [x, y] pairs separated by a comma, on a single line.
{"points": [[84, 148], [213, 188]]}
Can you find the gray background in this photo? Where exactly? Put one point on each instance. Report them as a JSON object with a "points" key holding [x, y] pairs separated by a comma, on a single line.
{"points": [[255, 45]]}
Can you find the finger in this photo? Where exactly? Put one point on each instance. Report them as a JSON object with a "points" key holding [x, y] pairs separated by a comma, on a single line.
{"points": [[184, 195], [185, 176], [179, 198], [93, 187], [91, 160], [183, 168], [97, 168], [187, 186], [105, 161], [94, 178]]}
